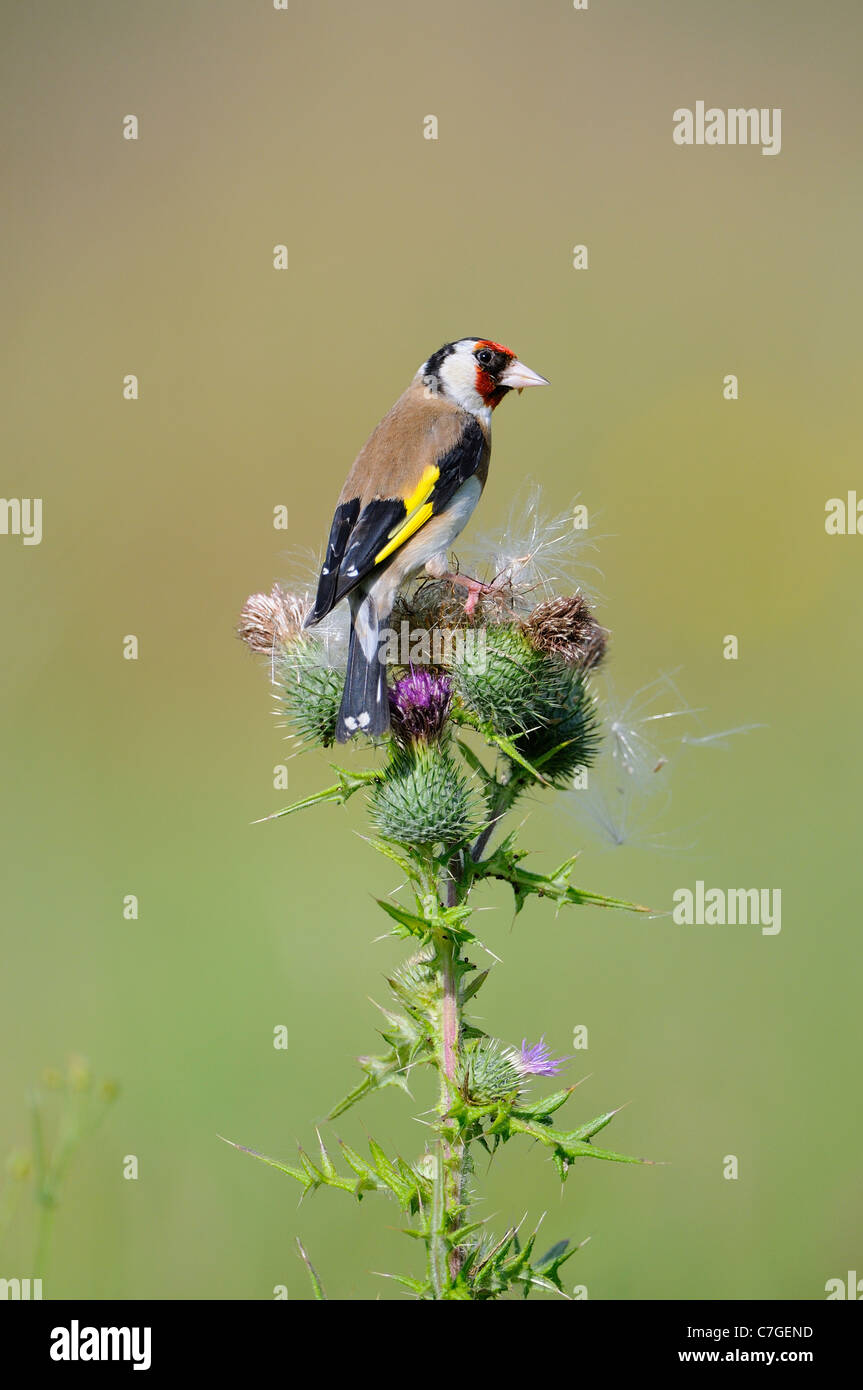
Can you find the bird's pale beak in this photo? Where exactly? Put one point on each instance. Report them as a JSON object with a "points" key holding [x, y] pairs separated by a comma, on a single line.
{"points": [[517, 376]]}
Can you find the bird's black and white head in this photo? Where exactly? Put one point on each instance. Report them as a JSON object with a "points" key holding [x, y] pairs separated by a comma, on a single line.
{"points": [[476, 374]]}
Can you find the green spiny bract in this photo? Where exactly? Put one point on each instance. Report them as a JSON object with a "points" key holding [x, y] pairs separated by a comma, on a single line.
{"points": [[488, 1073], [423, 798], [416, 983], [565, 736], [537, 699], [500, 679], [311, 691]]}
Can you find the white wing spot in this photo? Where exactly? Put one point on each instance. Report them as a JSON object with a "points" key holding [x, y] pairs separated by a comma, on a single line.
{"points": [[364, 720], [350, 722]]}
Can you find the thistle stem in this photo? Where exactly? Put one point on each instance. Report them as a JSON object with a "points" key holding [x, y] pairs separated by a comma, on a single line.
{"points": [[451, 1153], [449, 1017], [452, 1148], [500, 805], [451, 1156]]}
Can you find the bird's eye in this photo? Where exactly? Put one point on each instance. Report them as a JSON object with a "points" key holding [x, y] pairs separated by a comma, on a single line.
{"points": [[484, 357]]}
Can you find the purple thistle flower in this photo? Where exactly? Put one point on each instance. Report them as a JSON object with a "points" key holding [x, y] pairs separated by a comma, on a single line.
{"points": [[536, 1060], [420, 703]]}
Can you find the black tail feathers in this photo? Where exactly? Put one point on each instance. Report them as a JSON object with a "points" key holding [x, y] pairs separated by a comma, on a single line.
{"points": [[365, 705]]}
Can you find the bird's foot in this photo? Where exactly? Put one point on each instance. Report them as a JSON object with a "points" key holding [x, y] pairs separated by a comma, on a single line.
{"points": [[475, 589]]}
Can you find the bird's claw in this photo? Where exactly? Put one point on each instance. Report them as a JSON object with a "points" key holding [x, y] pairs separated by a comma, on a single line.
{"points": [[475, 589]]}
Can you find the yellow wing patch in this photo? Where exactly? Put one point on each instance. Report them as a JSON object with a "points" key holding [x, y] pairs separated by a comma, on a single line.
{"points": [[418, 509], [413, 524]]}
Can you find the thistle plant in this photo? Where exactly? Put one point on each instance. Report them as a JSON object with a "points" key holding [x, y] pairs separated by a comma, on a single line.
{"points": [[502, 706]]}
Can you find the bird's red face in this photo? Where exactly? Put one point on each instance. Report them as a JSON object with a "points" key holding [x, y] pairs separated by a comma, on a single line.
{"points": [[477, 373], [492, 359]]}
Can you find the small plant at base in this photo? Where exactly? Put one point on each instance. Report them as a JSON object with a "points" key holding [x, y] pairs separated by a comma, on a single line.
{"points": [[83, 1105]]}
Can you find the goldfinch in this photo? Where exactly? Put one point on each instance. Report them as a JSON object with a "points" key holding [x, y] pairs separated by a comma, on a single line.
{"points": [[411, 490]]}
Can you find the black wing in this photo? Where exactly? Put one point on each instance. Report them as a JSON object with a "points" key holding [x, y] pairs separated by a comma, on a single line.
{"points": [[357, 537], [343, 522], [458, 465]]}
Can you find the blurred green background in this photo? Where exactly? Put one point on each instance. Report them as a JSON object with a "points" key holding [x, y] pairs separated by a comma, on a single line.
{"points": [[257, 388]]}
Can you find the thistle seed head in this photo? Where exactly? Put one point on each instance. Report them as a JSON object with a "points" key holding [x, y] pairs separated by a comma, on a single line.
{"points": [[566, 628], [270, 620]]}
